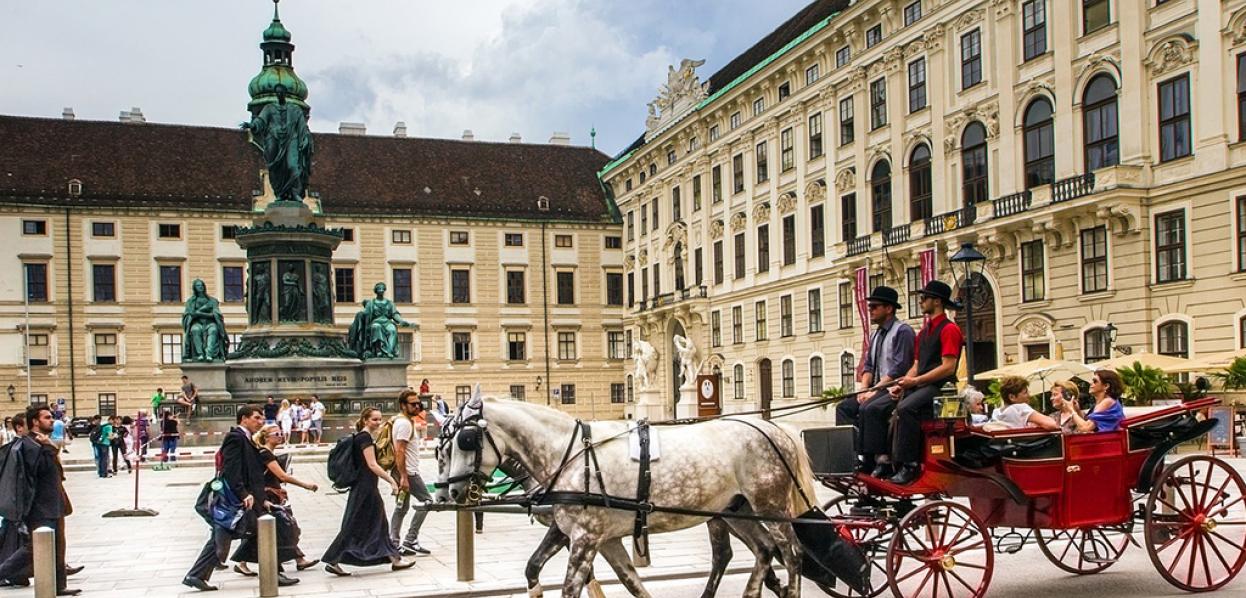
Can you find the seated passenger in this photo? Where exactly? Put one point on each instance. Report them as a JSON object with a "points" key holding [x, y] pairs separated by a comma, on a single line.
{"points": [[1106, 387], [974, 404], [1063, 392], [1017, 412]]}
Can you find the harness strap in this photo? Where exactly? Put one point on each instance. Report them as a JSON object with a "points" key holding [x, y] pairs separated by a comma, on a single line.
{"points": [[640, 530], [779, 453]]}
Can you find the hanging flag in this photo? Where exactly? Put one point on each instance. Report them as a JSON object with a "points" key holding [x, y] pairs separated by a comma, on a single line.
{"points": [[860, 292], [928, 265]]}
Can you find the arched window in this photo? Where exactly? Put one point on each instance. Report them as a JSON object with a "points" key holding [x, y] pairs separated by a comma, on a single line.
{"points": [[815, 377], [1095, 345], [1100, 124], [737, 378], [880, 193], [1174, 339], [631, 397], [847, 372], [921, 196], [974, 165], [789, 378], [679, 266], [1039, 144]]}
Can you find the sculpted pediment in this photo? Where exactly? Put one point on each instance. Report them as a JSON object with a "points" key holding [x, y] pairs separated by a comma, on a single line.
{"points": [[681, 93]]}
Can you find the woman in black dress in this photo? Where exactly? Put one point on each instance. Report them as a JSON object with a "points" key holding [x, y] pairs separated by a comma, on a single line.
{"points": [[364, 538], [269, 439]]}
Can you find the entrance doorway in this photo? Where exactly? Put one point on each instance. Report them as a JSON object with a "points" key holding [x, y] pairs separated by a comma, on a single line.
{"points": [[984, 334], [767, 387], [676, 329]]}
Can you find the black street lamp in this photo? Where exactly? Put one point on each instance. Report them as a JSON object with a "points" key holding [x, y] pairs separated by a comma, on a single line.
{"points": [[970, 261], [1112, 333], [12, 393]]}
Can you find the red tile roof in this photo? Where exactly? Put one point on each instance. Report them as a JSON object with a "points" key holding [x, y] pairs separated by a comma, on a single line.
{"points": [[176, 166]]}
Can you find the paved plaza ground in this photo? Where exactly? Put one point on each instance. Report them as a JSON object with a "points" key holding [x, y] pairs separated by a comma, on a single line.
{"points": [[148, 556]]}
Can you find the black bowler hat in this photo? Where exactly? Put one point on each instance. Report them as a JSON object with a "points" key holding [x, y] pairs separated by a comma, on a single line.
{"points": [[886, 295], [941, 291]]}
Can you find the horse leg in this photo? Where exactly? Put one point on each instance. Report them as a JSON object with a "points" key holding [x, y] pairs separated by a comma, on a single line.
{"points": [[579, 565], [789, 550], [616, 555], [762, 546], [553, 542], [720, 555]]}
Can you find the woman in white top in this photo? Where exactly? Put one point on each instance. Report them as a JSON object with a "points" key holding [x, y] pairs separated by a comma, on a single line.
{"points": [[284, 418], [1017, 412]]}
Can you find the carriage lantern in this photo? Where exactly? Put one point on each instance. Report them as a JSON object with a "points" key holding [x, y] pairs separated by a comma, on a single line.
{"points": [[970, 262]]}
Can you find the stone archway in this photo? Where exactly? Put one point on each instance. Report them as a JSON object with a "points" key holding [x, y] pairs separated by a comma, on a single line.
{"points": [[985, 336]]}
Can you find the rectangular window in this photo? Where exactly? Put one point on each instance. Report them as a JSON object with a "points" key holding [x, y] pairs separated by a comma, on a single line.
{"points": [[760, 154], [759, 106], [848, 216], [657, 280], [400, 236], [1241, 234], [789, 240], [811, 75], [785, 315], [615, 348], [169, 231], [1241, 97], [763, 248], [739, 256], [653, 225], [737, 173], [785, 90], [1034, 28], [631, 225], [104, 282], [845, 305], [105, 349], [912, 13], [644, 219], [614, 288], [516, 346], [565, 241], [696, 193], [644, 283], [698, 266], [970, 59], [842, 56], [737, 325], [36, 283], [517, 392], [461, 343], [815, 136], [631, 289], [676, 205], [229, 231], [878, 104], [734, 121], [1170, 246], [462, 393], [103, 229], [716, 183], [913, 278], [233, 287], [917, 85], [787, 150], [716, 328], [515, 290], [847, 370], [402, 285], [460, 286], [344, 285], [613, 242], [566, 288], [873, 36], [170, 284], [1094, 259], [617, 395], [516, 239], [759, 321], [348, 235], [1032, 284], [567, 393], [1174, 118], [788, 372], [170, 349], [714, 133], [566, 346], [847, 131], [670, 157], [38, 350], [107, 403], [718, 262], [817, 231], [815, 377], [815, 310], [1096, 14]]}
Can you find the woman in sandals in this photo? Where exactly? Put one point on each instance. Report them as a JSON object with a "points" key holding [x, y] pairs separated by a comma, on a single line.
{"points": [[269, 439]]}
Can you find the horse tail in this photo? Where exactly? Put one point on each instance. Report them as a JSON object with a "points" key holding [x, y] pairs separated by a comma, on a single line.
{"points": [[801, 497]]}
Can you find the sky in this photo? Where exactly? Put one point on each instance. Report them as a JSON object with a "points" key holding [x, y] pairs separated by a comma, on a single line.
{"points": [[492, 66]]}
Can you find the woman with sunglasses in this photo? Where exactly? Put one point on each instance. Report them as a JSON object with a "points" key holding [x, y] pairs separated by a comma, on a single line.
{"points": [[269, 439], [1106, 387]]}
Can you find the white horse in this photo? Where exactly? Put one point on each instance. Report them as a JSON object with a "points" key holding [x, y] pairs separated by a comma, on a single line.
{"points": [[704, 467]]}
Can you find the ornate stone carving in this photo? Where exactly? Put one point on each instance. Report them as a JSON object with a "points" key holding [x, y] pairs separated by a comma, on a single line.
{"points": [[987, 114], [644, 257], [291, 347], [1003, 8], [915, 47], [934, 37], [815, 191], [1035, 328], [1171, 54], [786, 203], [676, 233], [629, 263], [893, 59], [1236, 29], [716, 230], [878, 152], [845, 180], [682, 91], [1031, 89], [1096, 61], [916, 137], [738, 221], [967, 19], [761, 212]]}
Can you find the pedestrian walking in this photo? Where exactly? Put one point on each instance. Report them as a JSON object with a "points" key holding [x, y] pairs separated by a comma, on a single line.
{"points": [[156, 400], [169, 435], [120, 433], [242, 470], [303, 421], [317, 419], [58, 436], [268, 440], [142, 434], [363, 540], [407, 468], [270, 410], [101, 443]]}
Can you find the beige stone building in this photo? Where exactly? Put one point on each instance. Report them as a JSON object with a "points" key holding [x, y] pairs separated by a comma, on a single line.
{"points": [[1092, 149]]}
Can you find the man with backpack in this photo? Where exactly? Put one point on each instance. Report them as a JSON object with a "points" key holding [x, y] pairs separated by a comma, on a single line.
{"points": [[101, 442], [406, 467]]}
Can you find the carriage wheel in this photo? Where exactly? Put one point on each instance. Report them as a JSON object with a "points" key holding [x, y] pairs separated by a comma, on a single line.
{"points": [[872, 542], [1084, 551], [940, 549], [1196, 524]]}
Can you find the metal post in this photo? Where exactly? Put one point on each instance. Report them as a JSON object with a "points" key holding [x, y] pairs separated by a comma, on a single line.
{"points": [[465, 547], [268, 556], [44, 540], [970, 283]]}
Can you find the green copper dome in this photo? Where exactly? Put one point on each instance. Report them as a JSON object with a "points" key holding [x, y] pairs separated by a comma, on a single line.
{"points": [[278, 70]]}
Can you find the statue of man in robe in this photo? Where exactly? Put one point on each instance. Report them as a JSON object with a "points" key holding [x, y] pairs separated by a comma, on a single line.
{"points": [[205, 338], [280, 131]]}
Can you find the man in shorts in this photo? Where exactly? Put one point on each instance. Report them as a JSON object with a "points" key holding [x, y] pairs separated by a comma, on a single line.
{"points": [[317, 419]]}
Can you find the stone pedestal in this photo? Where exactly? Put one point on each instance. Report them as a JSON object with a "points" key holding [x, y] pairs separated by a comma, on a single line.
{"points": [[649, 405], [687, 405], [210, 378], [383, 378]]}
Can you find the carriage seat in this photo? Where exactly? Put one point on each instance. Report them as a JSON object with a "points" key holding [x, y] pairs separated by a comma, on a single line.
{"points": [[982, 448]]}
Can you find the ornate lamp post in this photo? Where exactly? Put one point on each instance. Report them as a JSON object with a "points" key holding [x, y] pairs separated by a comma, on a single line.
{"points": [[969, 263], [1112, 333]]}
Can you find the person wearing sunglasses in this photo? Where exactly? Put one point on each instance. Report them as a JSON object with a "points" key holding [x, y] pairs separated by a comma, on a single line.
{"points": [[1106, 387], [890, 355]]}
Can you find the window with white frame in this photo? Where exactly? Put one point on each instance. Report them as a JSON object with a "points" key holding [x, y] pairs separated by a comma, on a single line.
{"points": [[1170, 254], [815, 310], [566, 346], [759, 323], [1174, 339], [615, 347], [105, 348], [785, 315], [616, 393], [1096, 345], [737, 381], [788, 371], [461, 346], [716, 328], [171, 349], [815, 376], [1032, 271], [1094, 249], [847, 371], [516, 346]]}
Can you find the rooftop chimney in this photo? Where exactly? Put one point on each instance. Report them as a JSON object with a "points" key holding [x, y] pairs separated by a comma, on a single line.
{"points": [[400, 129], [516, 138], [560, 138], [468, 136], [346, 128], [133, 115], [67, 113]]}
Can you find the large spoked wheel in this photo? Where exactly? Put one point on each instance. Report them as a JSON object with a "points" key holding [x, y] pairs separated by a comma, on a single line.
{"points": [[940, 549], [1084, 551], [1196, 524], [873, 543]]}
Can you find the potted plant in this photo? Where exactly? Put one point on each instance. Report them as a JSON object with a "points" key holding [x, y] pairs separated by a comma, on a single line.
{"points": [[1144, 385], [1234, 376]]}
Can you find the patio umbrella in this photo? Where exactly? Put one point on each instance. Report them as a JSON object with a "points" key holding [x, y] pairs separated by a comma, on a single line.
{"points": [[1216, 361], [1041, 372], [1164, 363]]}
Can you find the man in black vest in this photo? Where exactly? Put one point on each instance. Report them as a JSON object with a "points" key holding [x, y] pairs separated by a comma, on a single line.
{"points": [[243, 471], [938, 350]]}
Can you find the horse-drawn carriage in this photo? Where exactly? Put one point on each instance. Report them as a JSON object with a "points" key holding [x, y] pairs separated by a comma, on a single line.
{"points": [[1083, 498]]}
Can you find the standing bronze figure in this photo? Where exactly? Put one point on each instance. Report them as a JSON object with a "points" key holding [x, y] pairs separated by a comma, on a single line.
{"points": [[280, 131]]}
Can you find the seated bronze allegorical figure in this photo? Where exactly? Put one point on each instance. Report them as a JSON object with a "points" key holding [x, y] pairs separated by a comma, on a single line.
{"points": [[203, 326], [374, 332]]}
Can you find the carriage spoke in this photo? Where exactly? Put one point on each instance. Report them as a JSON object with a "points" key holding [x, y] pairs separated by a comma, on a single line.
{"points": [[929, 574], [1189, 574], [1211, 542], [1205, 560], [1177, 559], [971, 566], [965, 549], [1183, 534], [917, 569], [1067, 547], [963, 582], [1239, 547], [1176, 510], [946, 584]]}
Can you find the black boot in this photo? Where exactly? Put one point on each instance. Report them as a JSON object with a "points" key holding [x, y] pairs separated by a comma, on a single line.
{"points": [[908, 473], [865, 464], [883, 471]]}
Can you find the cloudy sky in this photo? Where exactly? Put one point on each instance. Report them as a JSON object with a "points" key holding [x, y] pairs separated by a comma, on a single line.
{"points": [[493, 66]]}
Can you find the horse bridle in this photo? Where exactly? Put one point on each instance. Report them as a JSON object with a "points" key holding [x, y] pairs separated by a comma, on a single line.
{"points": [[470, 432]]}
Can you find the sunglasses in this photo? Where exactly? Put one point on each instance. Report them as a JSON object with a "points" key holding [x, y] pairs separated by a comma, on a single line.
{"points": [[875, 305]]}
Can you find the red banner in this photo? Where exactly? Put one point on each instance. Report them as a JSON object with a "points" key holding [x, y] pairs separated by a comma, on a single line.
{"points": [[860, 292], [928, 265]]}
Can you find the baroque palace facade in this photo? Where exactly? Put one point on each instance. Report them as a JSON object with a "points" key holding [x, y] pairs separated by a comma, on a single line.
{"points": [[1091, 149], [506, 258]]}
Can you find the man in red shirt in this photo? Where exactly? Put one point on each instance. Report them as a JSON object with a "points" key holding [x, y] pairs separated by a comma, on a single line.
{"points": [[938, 350]]}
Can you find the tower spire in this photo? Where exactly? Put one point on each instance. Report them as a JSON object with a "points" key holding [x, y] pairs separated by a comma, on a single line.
{"points": [[277, 70]]}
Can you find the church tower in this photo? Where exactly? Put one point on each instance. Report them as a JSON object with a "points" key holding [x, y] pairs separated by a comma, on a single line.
{"points": [[278, 70]]}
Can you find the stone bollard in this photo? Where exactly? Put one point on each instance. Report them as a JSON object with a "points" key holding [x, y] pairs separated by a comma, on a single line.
{"points": [[465, 549], [268, 556], [44, 540]]}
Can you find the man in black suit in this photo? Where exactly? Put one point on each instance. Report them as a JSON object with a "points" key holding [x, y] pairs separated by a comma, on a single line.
{"points": [[48, 499], [243, 471]]}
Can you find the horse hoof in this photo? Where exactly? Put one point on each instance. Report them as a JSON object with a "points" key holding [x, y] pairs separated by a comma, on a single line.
{"points": [[536, 591]]}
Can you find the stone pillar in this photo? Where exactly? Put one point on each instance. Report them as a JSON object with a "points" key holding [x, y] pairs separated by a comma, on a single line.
{"points": [[649, 405], [687, 405]]}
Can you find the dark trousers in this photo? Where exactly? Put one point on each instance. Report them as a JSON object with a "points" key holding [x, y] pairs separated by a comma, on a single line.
{"points": [[915, 407], [118, 456], [19, 564], [101, 459], [215, 552], [875, 424]]}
